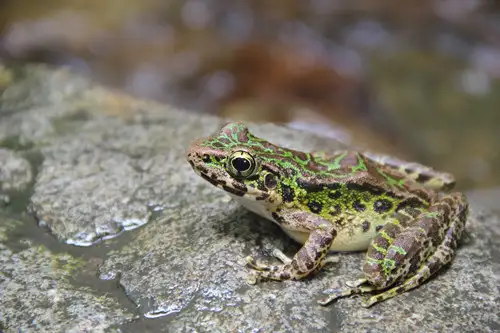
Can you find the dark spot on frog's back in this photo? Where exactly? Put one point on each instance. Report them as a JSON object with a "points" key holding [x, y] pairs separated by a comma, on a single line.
{"points": [[365, 187], [422, 178], [334, 195], [315, 206], [335, 210], [270, 181], [309, 187], [410, 203], [382, 205], [333, 186], [288, 193], [358, 206]]}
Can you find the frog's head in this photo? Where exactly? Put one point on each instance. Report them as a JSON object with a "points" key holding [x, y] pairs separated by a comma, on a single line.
{"points": [[238, 162]]}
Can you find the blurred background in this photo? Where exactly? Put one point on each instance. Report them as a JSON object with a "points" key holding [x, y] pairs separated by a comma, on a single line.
{"points": [[419, 79]]}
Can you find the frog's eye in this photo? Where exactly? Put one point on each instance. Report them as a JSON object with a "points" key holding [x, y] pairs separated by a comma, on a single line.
{"points": [[241, 164]]}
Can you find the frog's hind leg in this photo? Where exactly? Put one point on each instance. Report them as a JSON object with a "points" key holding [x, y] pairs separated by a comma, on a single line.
{"points": [[444, 252], [409, 255], [375, 255], [420, 173], [360, 286]]}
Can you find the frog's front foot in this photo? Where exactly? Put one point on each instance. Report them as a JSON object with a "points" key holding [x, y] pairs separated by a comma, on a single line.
{"points": [[273, 272], [268, 272], [288, 270]]}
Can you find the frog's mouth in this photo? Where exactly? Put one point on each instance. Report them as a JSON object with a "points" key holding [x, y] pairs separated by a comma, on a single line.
{"points": [[233, 187], [219, 177]]}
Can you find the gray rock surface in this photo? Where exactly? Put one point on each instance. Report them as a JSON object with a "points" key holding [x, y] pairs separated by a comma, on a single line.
{"points": [[113, 187], [15, 171], [37, 293], [15, 174]]}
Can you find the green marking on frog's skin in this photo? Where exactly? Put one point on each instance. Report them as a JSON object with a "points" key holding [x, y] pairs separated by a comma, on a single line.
{"points": [[398, 249], [360, 167], [343, 201], [431, 214], [379, 249], [336, 162], [385, 236], [392, 181]]}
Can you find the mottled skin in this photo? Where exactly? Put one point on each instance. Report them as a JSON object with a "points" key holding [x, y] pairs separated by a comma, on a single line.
{"points": [[344, 201]]}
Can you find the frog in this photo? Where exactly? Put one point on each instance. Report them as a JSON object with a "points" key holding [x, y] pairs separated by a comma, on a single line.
{"points": [[402, 214]]}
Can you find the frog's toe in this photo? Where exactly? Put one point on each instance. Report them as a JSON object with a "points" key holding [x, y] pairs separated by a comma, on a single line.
{"points": [[332, 297], [277, 253], [356, 283], [332, 259], [354, 287], [252, 262], [253, 278], [327, 264], [257, 266], [366, 302]]}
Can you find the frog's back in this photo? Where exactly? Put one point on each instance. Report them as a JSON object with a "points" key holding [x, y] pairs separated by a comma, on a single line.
{"points": [[357, 195]]}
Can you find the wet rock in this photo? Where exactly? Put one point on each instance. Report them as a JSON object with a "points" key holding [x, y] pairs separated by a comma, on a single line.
{"points": [[37, 293]]}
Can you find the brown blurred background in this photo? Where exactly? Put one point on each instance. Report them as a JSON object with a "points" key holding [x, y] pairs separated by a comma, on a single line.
{"points": [[419, 79]]}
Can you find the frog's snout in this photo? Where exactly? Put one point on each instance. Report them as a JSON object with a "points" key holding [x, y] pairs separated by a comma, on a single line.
{"points": [[192, 158]]}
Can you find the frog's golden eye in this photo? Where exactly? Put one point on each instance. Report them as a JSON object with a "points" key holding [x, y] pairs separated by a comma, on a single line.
{"points": [[241, 164]]}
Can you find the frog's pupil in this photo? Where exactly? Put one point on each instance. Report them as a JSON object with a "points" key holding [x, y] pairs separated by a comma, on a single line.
{"points": [[241, 164]]}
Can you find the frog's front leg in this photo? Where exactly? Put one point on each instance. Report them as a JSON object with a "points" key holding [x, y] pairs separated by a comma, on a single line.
{"points": [[311, 256]]}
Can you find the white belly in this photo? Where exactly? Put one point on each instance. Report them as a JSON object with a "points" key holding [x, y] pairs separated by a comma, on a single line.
{"points": [[346, 239], [343, 242]]}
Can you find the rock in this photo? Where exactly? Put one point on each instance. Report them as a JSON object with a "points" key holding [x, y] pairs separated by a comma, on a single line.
{"points": [[15, 171], [37, 293], [15, 174], [113, 180]]}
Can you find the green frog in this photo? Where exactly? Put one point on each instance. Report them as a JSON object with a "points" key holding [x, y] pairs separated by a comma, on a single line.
{"points": [[343, 201]]}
